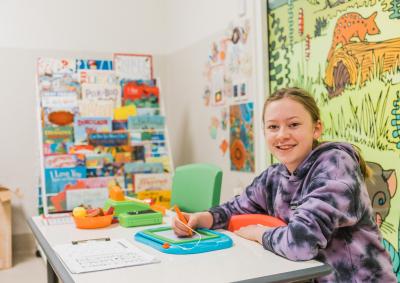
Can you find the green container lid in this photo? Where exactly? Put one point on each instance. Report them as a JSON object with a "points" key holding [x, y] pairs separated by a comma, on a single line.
{"points": [[125, 206], [128, 220]]}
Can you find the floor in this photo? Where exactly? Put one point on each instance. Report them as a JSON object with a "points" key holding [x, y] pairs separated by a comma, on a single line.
{"points": [[26, 268]]}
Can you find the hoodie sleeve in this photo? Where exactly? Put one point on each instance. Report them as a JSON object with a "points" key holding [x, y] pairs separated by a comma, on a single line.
{"points": [[330, 204], [254, 199]]}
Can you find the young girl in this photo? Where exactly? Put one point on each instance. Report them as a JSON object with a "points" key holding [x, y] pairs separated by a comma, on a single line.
{"points": [[318, 189]]}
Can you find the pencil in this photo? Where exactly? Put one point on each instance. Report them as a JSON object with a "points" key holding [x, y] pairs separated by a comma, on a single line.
{"points": [[182, 218]]}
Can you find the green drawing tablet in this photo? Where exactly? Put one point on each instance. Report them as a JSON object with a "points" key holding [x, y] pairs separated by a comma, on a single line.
{"points": [[166, 234]]}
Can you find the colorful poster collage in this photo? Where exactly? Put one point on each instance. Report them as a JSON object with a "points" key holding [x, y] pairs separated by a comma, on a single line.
{"points": [[228, 74], [101, 126]]}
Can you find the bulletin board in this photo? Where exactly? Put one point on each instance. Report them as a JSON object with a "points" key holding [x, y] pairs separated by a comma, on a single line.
{"points": [[101, 123], [229, 94]]}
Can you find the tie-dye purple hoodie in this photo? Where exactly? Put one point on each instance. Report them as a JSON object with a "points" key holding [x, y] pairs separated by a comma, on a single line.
{"points": [[328, 211]]}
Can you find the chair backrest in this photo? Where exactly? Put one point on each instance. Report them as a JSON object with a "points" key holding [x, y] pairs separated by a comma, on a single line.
{"points": [[196, 187], [238, 221]]}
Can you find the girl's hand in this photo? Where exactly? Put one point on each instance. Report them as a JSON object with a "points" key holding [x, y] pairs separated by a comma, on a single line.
{"points": [[252, 232], [179, 228], [195, 220]]}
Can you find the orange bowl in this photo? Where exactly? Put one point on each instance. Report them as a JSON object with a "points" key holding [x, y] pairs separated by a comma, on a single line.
{"points": [[93, 222]]}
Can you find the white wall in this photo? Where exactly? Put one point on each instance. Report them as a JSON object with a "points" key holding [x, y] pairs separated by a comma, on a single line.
{"points": [[176, 32], [76, 25], [190, 21], [188, 118]]}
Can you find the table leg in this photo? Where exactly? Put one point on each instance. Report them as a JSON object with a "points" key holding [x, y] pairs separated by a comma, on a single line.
{"points": [[51, 275]]}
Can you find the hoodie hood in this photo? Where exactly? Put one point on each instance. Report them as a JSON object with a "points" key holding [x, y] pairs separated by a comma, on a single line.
{"points": [[305, 166]]}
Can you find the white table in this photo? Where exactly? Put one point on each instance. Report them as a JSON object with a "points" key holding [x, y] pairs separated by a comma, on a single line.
{"points": [[246, 261]]}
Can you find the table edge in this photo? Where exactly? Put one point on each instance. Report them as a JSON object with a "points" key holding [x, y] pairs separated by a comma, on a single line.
{"points": [[304, 274], [52, 257]]}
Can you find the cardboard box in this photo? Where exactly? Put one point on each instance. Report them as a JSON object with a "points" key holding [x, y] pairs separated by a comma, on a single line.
{"points": [[5, 228]]}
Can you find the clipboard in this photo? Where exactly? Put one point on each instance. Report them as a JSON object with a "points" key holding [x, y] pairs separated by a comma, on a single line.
{"points": [[101, 254], [164, 240]]}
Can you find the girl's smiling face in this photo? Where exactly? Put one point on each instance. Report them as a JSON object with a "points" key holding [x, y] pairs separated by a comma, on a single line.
{"points": [[290, 131]]}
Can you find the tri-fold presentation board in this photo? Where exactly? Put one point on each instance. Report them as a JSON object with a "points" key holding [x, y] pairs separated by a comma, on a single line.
{"points": [[101, 123]]}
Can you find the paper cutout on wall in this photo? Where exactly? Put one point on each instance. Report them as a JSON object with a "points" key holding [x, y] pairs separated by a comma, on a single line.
{"points": [[213, 128], [207, 96], [242, 137], [217, 86], [224, 146], [240, 91], [224, 118]]}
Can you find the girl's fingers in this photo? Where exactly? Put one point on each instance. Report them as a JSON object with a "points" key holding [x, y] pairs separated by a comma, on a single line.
{"points": [[179, 228], [187, 216]]}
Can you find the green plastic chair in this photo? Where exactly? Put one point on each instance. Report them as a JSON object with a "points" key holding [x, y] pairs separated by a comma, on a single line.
{"points": [[196, 187]]}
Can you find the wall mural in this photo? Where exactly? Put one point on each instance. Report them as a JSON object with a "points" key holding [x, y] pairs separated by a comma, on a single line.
{"points": [[347, 54]]}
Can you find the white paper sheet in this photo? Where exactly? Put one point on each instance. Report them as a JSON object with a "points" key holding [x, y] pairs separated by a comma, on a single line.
{"points": [[95, 255]]}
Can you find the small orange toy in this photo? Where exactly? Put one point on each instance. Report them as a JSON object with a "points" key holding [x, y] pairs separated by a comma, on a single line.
{"points": [[159, 208], [116, 193]]}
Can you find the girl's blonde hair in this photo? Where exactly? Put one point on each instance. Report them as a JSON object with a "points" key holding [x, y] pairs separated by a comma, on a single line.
{"points": [[304, 98]]}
